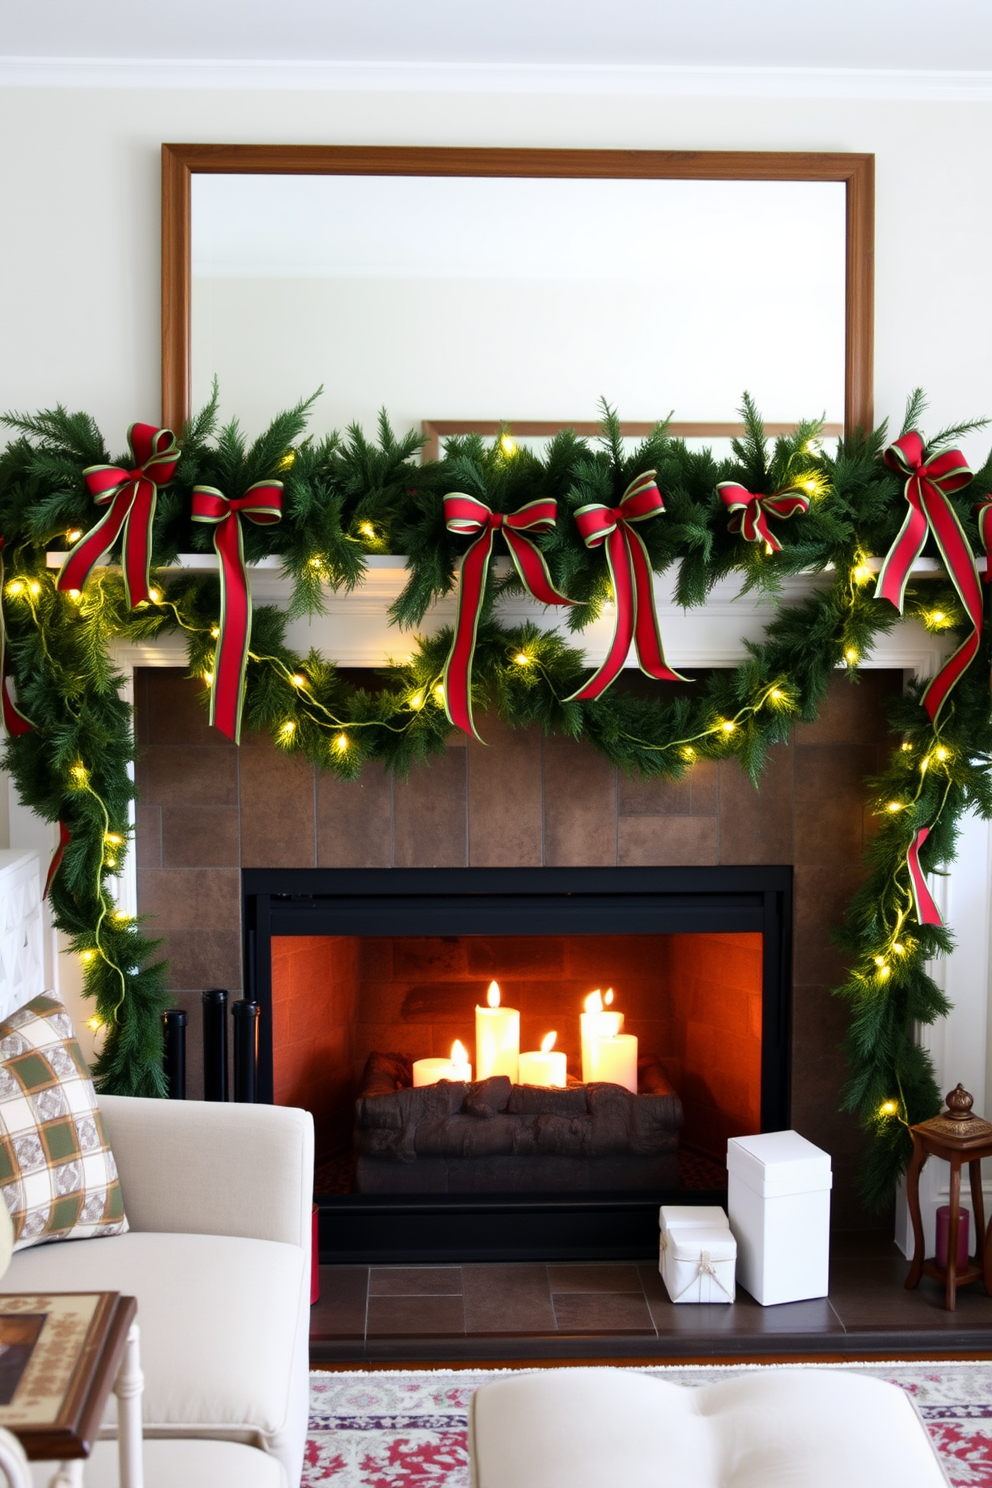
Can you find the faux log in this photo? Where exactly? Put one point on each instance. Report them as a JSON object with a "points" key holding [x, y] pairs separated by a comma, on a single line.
{"points": [[493, 1137]]}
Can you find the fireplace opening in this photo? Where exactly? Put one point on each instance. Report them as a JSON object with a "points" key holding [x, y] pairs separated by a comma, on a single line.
{"points": [[361, 975]]}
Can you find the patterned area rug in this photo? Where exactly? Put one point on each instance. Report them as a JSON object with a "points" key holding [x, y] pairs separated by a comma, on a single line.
{"points": [[408, 1429]]}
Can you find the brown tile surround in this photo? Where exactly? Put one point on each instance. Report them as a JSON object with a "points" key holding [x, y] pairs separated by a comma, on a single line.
{"points": [[207, 810]]}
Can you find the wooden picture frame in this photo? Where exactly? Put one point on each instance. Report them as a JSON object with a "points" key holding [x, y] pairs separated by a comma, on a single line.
{"points": [[180, 162]]}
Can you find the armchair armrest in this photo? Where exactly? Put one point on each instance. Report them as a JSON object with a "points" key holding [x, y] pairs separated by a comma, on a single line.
{"points": [[196, 1167]]}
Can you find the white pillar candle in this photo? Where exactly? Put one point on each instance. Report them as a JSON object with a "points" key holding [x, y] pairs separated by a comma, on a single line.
{"points": [[614, 1060], [596, 1023], [544, 1066], [497, 1038], [430, 1071], [460, 1067]]}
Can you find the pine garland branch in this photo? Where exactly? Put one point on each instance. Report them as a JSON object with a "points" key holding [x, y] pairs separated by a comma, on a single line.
{"points": [[348, 496]]}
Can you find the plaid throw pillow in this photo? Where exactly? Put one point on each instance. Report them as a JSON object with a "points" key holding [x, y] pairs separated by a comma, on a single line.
{"points": [[57, 1173]]}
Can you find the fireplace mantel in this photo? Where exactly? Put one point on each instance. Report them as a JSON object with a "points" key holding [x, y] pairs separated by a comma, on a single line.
{"points": [[353, 631]]}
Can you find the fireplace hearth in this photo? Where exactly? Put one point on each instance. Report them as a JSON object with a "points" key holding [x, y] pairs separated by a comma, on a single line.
{"points": [[347, 964]]}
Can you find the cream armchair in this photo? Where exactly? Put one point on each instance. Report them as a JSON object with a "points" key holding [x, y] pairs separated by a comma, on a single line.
{"points": [[218, 1199]]}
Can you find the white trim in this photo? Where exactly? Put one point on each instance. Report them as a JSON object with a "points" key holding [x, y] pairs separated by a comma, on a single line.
{"points": [[610, 79], [353, 629]]}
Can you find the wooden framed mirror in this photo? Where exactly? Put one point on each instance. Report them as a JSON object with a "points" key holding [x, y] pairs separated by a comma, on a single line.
{"points": [[795, 231]]}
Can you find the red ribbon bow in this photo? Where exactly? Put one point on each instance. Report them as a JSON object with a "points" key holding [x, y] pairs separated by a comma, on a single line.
{"points": [[751, 511], [131, 495], [926, 911], [468, 516], [261, 503], [14, 721], [927, 487], [633, 587]]}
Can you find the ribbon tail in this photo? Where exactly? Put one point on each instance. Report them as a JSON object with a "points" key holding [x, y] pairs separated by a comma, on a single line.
{"points": [[894, 573], [754, 526], [65, 837], [618, 558], [231, 651], [83, 558], [959, 561], [532, 569], [985, 530], [14, 721], [647, 628], [458, 667], [136, 555], [926, 910]]}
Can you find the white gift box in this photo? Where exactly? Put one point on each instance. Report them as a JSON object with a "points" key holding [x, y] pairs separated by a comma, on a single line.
{"points": [[778, 1195], [697, 1253]]}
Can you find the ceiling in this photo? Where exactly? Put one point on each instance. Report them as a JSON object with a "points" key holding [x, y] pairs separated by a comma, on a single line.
{"points": [[886, 35]]}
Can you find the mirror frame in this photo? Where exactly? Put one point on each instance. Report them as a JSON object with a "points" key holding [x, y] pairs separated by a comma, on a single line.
{"points": [[181, 162]]}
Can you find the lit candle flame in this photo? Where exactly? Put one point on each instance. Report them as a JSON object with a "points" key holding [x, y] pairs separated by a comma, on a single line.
{"points": [[459, 1053], [492, 996], [548, 1042], [609, 996], [594, 1002]]}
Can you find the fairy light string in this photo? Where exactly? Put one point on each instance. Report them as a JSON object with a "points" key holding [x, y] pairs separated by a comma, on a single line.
{"points": [[347, 498]]}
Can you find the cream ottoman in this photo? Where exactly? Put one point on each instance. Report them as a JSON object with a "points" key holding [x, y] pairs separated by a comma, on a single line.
{"points": [[805, 1428]]}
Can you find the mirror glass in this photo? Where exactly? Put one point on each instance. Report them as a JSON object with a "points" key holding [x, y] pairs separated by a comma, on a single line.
{"points": [[465, 298]]}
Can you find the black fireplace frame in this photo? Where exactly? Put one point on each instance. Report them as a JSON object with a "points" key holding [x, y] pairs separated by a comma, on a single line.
{"points": [[518, 901]]}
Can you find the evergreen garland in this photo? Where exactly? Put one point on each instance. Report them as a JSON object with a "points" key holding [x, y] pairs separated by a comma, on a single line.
{"points": [[345, 497]]}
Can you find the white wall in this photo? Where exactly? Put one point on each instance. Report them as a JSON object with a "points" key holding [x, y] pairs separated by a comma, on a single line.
{"points": [[79, 179]]}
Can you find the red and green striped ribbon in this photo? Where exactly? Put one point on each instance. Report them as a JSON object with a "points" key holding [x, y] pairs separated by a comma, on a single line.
{"points": [[926, 911], [928, 484], [261, 503], [750, 511], [468, 516], [983, 516], [65, 837], [633, 584], [131, 496]]}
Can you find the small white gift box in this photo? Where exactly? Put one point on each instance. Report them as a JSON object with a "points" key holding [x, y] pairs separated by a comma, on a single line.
{"points": [[697, 1253]]}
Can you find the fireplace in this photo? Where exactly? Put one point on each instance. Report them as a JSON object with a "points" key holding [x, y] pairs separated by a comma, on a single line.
{"points": [[348, 964], [208, 813]]}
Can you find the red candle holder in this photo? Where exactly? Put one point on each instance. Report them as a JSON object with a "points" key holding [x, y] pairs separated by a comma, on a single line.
{"points": [[944, 1231]]}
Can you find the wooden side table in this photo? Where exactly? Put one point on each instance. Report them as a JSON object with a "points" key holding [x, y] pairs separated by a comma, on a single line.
{"points": [[62, 1354], [958, 1137]]}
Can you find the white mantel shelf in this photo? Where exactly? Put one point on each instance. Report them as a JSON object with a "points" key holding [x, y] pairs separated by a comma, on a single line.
{"points": [[354, 629]]}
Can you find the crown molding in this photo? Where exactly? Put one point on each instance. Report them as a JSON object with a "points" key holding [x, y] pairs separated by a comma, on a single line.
{"points": [[498, 77]]}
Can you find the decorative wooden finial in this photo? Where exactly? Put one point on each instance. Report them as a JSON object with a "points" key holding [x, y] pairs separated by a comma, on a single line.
{"points": [[959, 1104]]}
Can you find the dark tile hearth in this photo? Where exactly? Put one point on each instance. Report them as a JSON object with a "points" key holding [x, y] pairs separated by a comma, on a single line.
{"points": [[519, 1311]]}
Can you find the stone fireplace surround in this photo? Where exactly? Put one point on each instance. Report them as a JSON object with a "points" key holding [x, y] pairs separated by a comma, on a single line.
{"points": [[206, 810]]}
